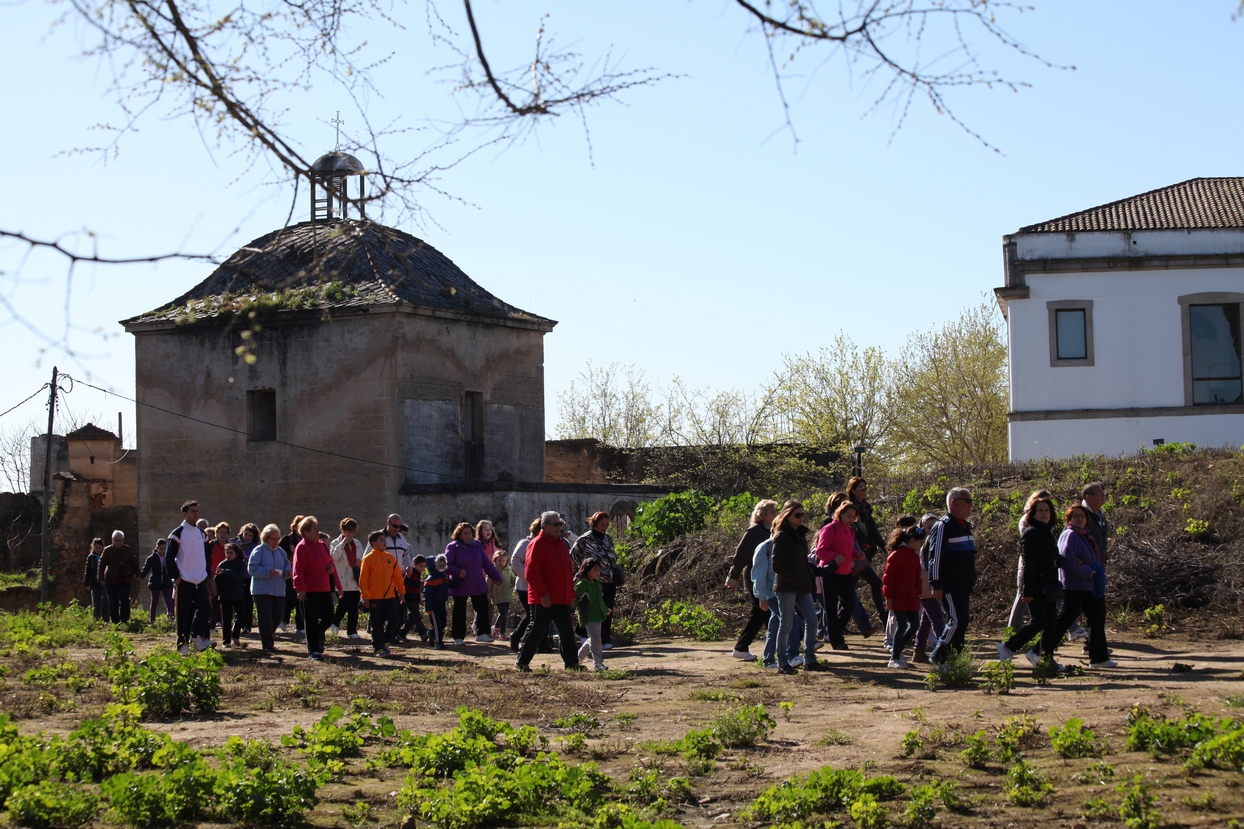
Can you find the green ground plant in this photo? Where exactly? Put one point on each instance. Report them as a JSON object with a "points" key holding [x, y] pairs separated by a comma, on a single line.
{"points": [[49, 804], [1074, 740], [826, 791], [1025, 786], [1155, 733], [743, 727], [336, 736], [958, 671], [999, 678], [1016, 735], [166, 684], [1138, 807], [661, 521], [677, 617], [976, 755]]}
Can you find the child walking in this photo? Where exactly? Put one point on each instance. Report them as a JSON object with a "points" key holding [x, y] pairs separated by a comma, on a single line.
{"points": [[414, 599], [382, 590], [901, 586], [436, 586], [590, 598], [502, 592], [233, 589]]}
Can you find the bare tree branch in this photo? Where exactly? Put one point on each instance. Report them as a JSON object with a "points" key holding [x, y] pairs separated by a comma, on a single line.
{"points": [[95, 258]]}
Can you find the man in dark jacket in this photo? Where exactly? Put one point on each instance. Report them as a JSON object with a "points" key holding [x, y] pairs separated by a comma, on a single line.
{"points": [[740, 570], [950, 555], [120, 567], [550, 592]]}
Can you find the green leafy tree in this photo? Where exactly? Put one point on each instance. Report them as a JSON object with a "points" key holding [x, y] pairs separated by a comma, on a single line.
{"points": [[953, 396]]}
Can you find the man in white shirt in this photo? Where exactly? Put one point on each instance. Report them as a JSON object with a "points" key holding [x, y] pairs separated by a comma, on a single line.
{"points": [[187, 548], [396, 545]]}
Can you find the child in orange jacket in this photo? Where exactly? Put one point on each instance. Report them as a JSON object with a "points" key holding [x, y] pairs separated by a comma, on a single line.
{"points": [[382, 589]]}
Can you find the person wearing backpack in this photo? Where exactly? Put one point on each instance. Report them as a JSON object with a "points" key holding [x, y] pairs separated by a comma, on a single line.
{"points": [[766, 598]]}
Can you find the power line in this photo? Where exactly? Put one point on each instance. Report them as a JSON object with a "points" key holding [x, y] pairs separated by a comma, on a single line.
{"points": [[327, 452], [38, 391]]}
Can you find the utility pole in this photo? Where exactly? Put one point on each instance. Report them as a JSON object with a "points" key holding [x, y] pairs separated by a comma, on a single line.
{"points": [[47, 492]]}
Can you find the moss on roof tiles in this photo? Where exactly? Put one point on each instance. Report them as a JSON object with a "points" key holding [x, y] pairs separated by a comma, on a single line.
{"points": [[340, 265]]}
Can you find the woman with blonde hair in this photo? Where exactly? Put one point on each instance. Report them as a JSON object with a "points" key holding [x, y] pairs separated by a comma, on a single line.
{"points": [[741, 570], [466, 560], [793, 585]]}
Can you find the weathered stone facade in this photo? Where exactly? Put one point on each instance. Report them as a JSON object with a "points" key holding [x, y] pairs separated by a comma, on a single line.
{"points": [[373, 363]]}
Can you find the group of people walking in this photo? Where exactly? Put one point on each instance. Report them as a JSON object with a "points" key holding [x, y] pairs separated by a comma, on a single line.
{"points": [[803, 585], [260, 578]]}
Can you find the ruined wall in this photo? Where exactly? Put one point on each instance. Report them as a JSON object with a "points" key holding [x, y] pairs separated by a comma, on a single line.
{"points": [[444, 360], [334, 388]]}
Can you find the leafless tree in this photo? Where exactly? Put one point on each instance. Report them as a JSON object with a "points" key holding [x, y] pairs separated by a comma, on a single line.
{"points": [[232, 68]]}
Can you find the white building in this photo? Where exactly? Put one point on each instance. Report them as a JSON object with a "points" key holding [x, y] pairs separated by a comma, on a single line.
{"points": [[1124, 324]]}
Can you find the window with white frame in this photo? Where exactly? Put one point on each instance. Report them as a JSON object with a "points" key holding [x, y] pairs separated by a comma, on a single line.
{"points": [[1071, 332]]}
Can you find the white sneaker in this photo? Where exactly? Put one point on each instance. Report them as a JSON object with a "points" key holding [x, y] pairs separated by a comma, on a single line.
{"points": [[355, 636], [1109, 663], [585, 651], [1076, 633], [202, 643], [897, 663], [1005, 654], [334, 629], [599, 666], [744, 655], [607, 647], [459, 642], [283, 628], [184, 650], [1032, 658], [484, 637], [797, 662]]}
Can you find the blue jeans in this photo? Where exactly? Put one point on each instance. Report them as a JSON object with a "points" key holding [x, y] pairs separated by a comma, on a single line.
{"points": [[788, 603], [905, 624]]}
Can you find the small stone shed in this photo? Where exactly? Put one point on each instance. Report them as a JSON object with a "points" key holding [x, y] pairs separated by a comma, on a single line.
{"points": [[322, 368]]}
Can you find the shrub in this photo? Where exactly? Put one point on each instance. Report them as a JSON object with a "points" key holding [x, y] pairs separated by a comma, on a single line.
{"points": [[582, 723], [1158, 735], [670, 516], [107, 745], [868, 813], [675, 616], [254, 754], [165, 683], [51, 804], [1096, 808], [1224, 751], [798, 798], [332, 738], [1074, 740], [1026, 786], [476, 739], [912, 743], [165, 798], [743, 727], [487, 794], [1016, 734], [976, 755], [1137, 807], [278, 796], [958, 671], [999, 678], [921, 810]]}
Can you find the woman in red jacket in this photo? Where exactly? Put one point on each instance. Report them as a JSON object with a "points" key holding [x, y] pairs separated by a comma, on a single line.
{"points": [[901, 586], [315, 577]]}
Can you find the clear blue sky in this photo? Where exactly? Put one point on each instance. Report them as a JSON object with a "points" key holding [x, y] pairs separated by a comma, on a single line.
{"points": [[698, 244]]}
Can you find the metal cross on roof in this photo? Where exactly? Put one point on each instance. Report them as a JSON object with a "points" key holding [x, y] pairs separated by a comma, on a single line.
{"points": [[337, 120]]}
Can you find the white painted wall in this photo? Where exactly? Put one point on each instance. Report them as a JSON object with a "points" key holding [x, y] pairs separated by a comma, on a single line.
{"points": [[1137, 339], [1032, 440], [1098, 244], [1137, 344]]}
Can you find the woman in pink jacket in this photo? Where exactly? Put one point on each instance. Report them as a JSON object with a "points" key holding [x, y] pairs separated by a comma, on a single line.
{"points": [[836, 553], [315, 578]]}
